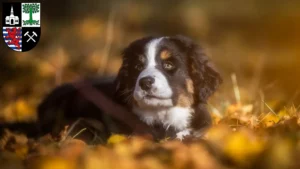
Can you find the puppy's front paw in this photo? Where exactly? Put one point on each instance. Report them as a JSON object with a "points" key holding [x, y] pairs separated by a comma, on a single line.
{"points": [[180, 135]]}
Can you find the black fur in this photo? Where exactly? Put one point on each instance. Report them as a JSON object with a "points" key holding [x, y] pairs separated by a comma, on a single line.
{"points": [[64, 106], [205, 76], [206, 80]]}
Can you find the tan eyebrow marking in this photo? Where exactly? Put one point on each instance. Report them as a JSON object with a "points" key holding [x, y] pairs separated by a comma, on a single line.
{"points": [[189, 86], [165, 54]]}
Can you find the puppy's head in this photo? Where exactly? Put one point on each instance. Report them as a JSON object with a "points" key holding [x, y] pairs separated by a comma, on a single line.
{"points": [[162, 72]]}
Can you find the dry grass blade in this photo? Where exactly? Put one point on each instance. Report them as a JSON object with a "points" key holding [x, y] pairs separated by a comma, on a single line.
{"points": [[262, 97], [236, 88], [270, 108], [77, 134]]}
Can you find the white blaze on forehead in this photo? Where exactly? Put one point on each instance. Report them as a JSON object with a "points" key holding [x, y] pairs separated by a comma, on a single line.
{"points": [[152, 51]]}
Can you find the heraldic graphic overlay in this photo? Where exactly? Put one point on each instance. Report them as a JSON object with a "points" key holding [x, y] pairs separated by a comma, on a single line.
{"points": [[21, 25]]}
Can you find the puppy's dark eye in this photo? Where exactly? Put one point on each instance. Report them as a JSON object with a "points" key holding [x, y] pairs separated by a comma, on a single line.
{"points": [[139, 67], [168, 65]]}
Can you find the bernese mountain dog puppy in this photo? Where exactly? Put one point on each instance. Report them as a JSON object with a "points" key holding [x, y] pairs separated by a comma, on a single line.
{"points": [[167, 81], [164, 81]]}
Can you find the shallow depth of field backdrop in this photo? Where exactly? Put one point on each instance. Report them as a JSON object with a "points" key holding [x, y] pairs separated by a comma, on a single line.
{"points": [[255, 44]]}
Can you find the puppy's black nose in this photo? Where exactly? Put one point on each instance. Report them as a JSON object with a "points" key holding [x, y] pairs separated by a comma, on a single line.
{"points": [[146, 82]]}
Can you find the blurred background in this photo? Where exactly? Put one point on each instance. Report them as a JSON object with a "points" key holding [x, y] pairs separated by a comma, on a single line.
{"points": [[254, 44]]}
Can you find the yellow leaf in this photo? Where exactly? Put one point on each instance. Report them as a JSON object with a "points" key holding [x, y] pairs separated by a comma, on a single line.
{"points": [[19, 110], [165, 140], [270, 119], [55, 163], [22, 151], [241, 146], [116, 138], [23, 109]]}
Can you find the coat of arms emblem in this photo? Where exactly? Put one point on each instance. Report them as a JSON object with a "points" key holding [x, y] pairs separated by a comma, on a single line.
{"points": [[21, 23]]}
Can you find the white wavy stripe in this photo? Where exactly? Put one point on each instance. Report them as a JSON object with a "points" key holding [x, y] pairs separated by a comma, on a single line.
{"points": [[9, 40], [7, 33], [13, 45]]}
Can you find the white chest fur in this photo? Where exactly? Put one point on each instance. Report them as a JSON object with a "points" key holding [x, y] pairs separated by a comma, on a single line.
{"points": [[177, 117]]}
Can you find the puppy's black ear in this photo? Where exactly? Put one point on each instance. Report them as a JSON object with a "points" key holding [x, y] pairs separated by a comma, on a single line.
{"points": [[205, 76], [125, 83], [120, 82]]}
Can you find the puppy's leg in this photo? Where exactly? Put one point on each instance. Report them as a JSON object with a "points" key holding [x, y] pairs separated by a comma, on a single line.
{"points": [[201, 120]]}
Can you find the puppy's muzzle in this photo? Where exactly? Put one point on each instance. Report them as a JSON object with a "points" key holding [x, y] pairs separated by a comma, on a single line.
{"points": [[146, 83]]}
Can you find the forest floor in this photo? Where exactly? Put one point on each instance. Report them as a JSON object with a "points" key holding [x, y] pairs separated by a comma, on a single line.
{"points": [[241, 137]]}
